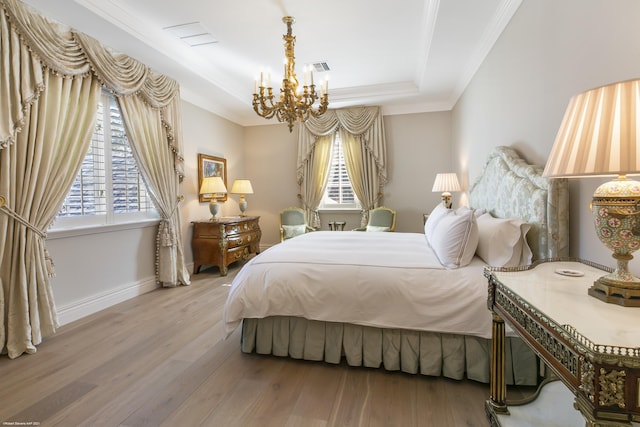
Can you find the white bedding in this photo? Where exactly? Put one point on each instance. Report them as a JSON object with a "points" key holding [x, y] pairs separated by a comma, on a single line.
{"points": [[385, 280]]}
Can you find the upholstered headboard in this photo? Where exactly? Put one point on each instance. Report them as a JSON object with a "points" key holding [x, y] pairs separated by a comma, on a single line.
{"points": [[508, 187]]}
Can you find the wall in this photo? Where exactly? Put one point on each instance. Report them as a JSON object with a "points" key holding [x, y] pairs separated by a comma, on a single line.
{"points": [[101, 267], [417, 148], [549, 52]]}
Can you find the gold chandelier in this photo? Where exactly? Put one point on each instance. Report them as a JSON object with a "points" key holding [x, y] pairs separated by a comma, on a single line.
{"points": [[293, 104]]}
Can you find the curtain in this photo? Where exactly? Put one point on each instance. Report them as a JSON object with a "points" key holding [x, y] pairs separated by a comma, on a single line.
{"points": [[147, 132], [362, 133], [50, 79], [316, 168]]}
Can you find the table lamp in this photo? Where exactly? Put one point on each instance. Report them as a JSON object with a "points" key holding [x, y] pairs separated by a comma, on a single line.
{"points": [[242, 187], [213, 185], [600, 136], [446, 183]]}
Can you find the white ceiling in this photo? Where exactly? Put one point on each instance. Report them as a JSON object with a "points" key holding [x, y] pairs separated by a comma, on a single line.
{"points": [[406, 55]]}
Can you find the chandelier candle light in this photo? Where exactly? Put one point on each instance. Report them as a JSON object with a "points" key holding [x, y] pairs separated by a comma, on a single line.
{"points": [[294, 103], [600, 136]]}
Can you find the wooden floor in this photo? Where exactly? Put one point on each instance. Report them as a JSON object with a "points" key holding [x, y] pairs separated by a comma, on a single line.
{"points": [[160, 359]]}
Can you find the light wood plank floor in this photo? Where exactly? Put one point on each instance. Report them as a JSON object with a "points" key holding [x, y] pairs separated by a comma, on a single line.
{"points": [[160, 359]]}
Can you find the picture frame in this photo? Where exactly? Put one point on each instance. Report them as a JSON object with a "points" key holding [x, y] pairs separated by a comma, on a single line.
{"points": [[211, 166]]}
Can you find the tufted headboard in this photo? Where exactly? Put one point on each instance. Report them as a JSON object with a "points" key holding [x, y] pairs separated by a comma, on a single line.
{"points": [[508, 187]]}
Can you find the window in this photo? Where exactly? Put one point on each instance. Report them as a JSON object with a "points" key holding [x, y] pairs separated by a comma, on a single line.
{"points": [[339, 192], [108, 188]]}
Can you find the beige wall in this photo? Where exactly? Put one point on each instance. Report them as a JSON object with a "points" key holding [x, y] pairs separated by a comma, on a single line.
{"points": [[550, 51]]}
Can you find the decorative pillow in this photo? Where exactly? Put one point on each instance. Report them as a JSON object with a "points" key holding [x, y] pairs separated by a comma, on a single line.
{"points": [[377, 228], [503, 242], [454, 238], [434, 217], [293, 230]]}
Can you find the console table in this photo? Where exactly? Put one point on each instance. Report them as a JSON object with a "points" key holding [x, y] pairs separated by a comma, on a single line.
{"points": [[224, 240], [591, 346]]}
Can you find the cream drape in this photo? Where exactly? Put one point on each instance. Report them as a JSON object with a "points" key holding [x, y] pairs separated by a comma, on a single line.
{"points": [[50, 80], [37, 172], [316, 169], [363, 139], [147, 135]]}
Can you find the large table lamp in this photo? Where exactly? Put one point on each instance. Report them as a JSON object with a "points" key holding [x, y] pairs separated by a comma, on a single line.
{"points": [[213, 185], [242, 187], [446, 183], [600, 136]]}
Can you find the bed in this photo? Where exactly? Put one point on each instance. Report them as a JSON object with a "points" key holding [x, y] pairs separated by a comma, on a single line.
{"points": [[390, 299]]}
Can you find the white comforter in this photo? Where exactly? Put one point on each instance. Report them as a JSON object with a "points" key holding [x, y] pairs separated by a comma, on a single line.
{"points": [[386, 280]]}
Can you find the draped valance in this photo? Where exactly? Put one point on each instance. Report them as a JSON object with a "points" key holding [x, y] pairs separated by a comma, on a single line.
{"points": [[365, 123], [65, 52]]}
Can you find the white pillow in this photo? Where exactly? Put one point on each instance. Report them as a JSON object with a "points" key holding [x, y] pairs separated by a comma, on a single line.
{"points": [[503, 242], [454, 238], [293, 230], [377, 228], [434, 217]]}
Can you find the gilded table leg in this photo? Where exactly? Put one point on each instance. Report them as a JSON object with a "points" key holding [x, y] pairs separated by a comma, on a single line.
{"points": [[498, 387]]}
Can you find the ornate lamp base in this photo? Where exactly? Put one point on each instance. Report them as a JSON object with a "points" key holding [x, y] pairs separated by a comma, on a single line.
{"points": [[614, 294], [616, 212], [214, 208], [243, 206]]}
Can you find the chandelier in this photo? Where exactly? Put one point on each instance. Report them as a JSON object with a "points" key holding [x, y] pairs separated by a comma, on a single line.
{"points": [[295, 102]]}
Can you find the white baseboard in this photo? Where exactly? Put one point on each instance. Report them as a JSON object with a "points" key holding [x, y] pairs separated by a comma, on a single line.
{"points": [[79, 309]]}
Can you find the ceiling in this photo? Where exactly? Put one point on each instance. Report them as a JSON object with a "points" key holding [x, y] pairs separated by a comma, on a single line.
{"points": [[406, 55]]}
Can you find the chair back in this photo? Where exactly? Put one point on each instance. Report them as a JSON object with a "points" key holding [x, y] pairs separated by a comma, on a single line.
{"points": [[382, 217], [292, 216], [293, 221]]}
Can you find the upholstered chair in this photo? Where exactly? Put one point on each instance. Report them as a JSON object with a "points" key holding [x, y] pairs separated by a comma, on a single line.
{"points": [[380, 219], [293, 222]]}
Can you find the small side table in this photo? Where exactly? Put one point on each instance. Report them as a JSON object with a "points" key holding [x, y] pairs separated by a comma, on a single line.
{"points": [[337, 225]]}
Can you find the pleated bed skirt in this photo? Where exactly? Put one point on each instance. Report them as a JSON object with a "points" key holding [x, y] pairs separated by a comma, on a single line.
{"points": [[414, 352]]}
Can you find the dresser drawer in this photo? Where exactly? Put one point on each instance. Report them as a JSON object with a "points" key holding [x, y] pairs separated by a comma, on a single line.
{"points": [[241, 227], [243, 239]]}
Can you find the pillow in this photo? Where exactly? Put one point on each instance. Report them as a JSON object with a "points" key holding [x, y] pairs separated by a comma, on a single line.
{"points": [[377, 228], [503, 242], [293, 230], [434, 217], [454, 239]]}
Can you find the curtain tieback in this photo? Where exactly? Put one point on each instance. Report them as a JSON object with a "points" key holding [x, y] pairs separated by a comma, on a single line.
{"points": [[51, 271], [10, 212], [167, 234]]}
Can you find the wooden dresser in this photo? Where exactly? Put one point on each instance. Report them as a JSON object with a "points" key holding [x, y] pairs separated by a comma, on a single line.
{"points": [[224, 240]]}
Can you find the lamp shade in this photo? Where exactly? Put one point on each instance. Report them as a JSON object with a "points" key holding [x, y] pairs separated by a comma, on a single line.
{"points": [[599, 134], [446, 182], [242, 186], [213, 185]]}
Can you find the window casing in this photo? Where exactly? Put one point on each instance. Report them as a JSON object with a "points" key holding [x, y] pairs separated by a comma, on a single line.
{"points": [[108, 188], [339, 193]]}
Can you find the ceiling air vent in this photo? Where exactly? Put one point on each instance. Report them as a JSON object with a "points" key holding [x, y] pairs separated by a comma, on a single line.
{"points": [[320, 67], [193, 33]]}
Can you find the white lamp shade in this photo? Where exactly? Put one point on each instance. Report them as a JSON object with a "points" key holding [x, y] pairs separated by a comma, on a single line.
{"points": [[213, 185], [446, 182], [600, 133], [242, 186]]}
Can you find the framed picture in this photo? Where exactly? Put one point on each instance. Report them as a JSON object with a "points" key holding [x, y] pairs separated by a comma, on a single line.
{"points": [[211, 166]]}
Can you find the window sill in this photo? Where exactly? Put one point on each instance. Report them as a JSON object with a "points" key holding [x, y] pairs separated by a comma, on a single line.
{"points": [[62, 233], [340, 210]]}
